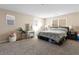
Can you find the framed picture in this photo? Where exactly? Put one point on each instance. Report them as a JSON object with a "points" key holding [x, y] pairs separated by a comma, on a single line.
{"points": [[10, 19]]}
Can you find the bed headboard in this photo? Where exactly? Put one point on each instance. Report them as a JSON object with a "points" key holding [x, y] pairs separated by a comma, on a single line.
{"points": [[62, 27], [65, 27]]}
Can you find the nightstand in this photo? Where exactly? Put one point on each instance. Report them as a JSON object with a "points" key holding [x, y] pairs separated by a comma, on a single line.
{"points": [[72, 35]]}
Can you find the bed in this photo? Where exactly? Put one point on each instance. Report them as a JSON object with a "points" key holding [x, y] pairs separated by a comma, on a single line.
{"points": [[55, 35]]}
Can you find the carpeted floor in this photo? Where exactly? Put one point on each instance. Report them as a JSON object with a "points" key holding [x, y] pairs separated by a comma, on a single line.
{"points": [[39, 47]]}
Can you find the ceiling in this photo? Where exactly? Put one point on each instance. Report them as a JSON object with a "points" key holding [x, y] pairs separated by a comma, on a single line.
{"points": [[42, 10]]}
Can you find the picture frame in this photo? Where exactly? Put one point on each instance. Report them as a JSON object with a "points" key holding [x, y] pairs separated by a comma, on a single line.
{"points": [[10, 19]]}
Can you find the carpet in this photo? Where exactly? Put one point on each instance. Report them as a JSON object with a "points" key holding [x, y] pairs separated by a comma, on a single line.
{"points": [[39, 47]]}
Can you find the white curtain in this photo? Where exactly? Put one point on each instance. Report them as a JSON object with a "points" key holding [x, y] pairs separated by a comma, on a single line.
{"points": [[37, 24]]}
